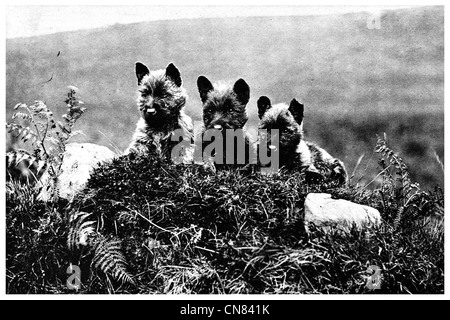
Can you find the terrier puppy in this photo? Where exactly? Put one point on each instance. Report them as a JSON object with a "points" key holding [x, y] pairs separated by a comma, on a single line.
{"points": [[161, 102], [224, 116], [294, 151]]}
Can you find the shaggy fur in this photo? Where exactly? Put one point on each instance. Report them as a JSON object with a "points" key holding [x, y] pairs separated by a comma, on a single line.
{"points": [[224, 108], [294, 151], [161, 102]]}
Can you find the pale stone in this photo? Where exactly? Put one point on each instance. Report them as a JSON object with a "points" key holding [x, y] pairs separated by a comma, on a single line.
{"points": [[80, 159], [322, 210]]}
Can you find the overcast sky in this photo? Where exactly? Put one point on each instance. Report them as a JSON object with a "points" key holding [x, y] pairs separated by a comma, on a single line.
{"points": [[31, 20]]}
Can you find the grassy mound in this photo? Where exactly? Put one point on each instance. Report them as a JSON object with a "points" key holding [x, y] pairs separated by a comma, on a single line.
{"points": [[36, 250], [153, 227]]}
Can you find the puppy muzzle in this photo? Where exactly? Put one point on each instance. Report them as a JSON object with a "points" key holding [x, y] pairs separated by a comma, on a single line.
{"points": [[151, 111]]}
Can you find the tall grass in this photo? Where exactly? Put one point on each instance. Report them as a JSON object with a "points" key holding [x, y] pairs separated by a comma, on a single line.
{"points": [[145, 225], [183, 229]]}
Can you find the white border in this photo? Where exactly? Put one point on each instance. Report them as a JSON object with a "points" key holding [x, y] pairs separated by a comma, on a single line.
{"points": [[209, 297]]}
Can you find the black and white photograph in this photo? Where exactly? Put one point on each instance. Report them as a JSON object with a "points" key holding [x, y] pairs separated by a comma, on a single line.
{"points": [[277, 150]]}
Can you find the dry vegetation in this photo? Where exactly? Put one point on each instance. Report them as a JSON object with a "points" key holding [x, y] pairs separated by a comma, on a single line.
{"points": [[143, 225]]}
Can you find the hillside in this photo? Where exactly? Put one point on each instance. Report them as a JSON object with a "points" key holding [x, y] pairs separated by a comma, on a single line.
{"points": [[143, 225], [340, 69]]}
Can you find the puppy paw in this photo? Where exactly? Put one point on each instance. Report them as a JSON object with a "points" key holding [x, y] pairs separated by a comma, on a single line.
{"points": [[338, 172], [313, 175]]}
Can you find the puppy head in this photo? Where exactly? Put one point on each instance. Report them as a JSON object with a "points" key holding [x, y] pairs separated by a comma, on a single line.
{"points": [[279, 117], [161, 94], [224, 107]]}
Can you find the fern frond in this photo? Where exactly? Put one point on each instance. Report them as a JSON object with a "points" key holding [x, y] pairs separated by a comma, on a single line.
{"points": [[12, 127], [410, 192], [408, 188], [21, 132], [109, 259], [21, 115], [20, 105], [14, 158], [48, 138], [39, 107], [81, 231], [398, 217], [21, 163]]}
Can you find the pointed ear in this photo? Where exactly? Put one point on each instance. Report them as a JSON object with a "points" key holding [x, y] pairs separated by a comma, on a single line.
{"points": [[204, 86], [242, 91], [263, 105], [141, 71], [173, 74], [296, 109]]}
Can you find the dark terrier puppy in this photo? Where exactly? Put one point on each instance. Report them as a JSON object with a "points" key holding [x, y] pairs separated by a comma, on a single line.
{"points": [[224, 111], [161, 102], [294, 152]]}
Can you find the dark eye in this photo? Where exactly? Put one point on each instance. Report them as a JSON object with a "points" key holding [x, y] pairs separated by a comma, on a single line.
{"points": [[146, 91], [231, 108]]}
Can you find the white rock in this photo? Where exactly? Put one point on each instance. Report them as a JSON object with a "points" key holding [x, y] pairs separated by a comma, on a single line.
{"points": [[323, 211], [78, 162]]}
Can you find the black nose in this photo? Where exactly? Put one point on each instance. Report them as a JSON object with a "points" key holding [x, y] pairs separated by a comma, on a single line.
{"points": [[218, 127]]}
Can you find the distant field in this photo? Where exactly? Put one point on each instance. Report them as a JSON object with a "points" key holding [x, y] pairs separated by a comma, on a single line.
{"points": [[355, 82]]}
